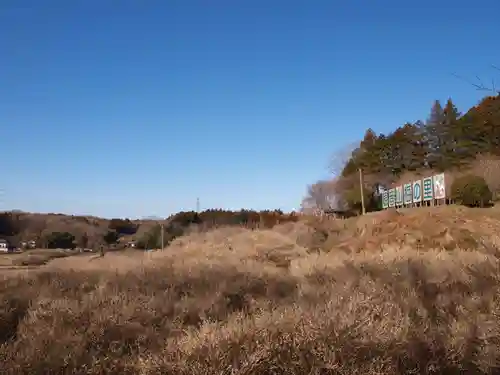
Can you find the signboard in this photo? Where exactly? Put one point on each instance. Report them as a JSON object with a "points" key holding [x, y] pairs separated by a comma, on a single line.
{"points": [[399, 195], [417, 191], [428, 189], [407, 194], [439, 186], [392, 197], [385, 199]]}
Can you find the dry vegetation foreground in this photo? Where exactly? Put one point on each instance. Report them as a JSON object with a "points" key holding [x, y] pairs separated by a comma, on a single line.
{"points": [[389, 293]]}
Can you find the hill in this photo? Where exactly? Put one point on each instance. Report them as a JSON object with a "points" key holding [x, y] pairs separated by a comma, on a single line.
{"points": [[448, 141], [87, 231], [414, 291]]}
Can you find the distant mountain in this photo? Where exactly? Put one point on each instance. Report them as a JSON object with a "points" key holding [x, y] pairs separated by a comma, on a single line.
{"points": [[152, 218]]}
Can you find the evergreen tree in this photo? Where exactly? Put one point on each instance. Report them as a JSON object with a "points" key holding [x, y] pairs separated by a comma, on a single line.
{"points": [[450, 132], [368, 157], [369, 140], [432, 135], [482, 126]]}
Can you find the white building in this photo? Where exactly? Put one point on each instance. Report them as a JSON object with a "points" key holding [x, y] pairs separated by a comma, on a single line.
{"points": [[4, 246]]}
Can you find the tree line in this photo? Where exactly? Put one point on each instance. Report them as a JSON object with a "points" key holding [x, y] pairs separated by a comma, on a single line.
{"points": [[184, 222], [12, 228], [447, 141]]}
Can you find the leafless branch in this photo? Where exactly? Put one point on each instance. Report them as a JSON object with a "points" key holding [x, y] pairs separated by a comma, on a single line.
{"points": [[322, 196], [340, 158], [480, 86]]}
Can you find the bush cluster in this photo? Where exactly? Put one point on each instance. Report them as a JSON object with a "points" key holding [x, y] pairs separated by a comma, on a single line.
{"points": [[471, 191]]}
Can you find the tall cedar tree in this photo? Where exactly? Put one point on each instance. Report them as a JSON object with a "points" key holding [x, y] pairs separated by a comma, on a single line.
{"points": [[434, 137], [450, 131]]}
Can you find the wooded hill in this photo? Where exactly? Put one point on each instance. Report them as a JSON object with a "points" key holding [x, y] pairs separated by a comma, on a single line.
{"points": [[65, 231], [447, 141]]}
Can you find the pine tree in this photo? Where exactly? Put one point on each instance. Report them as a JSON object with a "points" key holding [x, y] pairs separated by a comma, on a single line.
{"points": [[406, 149], [432, 135], [369, 139], [369, 158], [450, 113], [451, 133]]}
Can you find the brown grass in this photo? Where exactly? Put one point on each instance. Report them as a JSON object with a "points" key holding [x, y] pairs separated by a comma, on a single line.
{"points": [[415, 291], [35, 257]]}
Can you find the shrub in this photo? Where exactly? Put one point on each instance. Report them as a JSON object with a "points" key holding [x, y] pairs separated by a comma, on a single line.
{"points": [[353, 199], [152, 238], [60, 240], [111, 237], [472, 191], [123, 226]]}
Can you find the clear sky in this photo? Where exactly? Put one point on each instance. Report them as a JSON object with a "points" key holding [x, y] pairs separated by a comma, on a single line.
{"points": [[136, 108]]}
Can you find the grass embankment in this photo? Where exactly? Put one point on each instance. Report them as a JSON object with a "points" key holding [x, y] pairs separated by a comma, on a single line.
{"points": [[389, 293]]}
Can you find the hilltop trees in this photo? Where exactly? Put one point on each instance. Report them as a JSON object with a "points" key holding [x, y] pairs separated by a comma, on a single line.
{"points": [[9, 224], [482, 126], [123, 226], [186, 221], [444, 133], [433, 134], [447, 141]]}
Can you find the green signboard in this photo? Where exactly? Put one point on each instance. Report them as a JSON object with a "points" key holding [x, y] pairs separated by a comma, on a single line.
{"points": [[385, 199], [428, 189], [399, 195], [392, 197], [407, 194], [417, 191]]}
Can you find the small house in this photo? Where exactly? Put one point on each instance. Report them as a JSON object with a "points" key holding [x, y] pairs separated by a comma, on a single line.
{"points": [[4, 246]]}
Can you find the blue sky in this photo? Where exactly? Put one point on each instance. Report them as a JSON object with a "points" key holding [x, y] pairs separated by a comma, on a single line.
{"points": [[135, 108]]}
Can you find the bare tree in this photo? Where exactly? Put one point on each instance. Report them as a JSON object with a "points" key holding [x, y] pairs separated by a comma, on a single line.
{"points": [[480, 85], [340, 158], [321, 196], [487, 166]]}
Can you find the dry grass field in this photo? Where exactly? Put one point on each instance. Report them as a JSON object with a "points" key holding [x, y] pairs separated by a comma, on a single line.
{"points": [[35, 257], [411, 292]]}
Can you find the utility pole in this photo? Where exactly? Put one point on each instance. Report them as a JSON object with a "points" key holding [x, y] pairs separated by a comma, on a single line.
{"points": [[361, 191], [162, 236]]}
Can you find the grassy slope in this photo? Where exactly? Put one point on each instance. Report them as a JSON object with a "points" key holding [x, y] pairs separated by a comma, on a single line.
{"points": [[383, 294]]}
